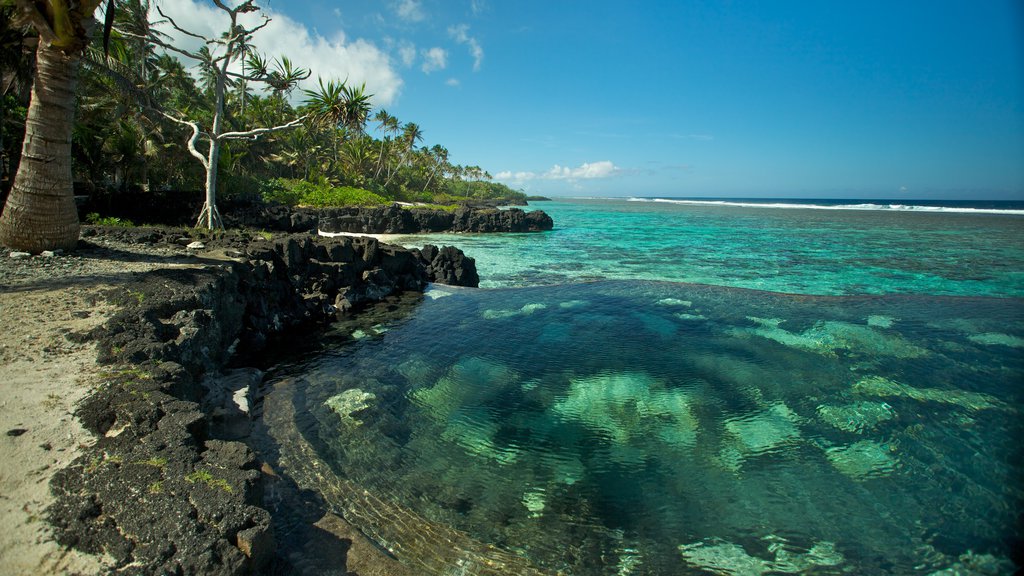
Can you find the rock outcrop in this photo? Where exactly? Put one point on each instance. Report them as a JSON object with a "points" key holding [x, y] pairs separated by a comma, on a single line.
{"points": [[397, 220], [392, 219], [165, 489]]}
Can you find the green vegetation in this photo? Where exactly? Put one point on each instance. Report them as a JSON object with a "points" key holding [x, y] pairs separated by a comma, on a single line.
{"points": [[136, 112], [155, 462], [292, 192], [95, 219], [205, 477]]}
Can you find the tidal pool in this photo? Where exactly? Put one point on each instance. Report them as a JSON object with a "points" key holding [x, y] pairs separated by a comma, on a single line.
{"points": [[658, 428]]}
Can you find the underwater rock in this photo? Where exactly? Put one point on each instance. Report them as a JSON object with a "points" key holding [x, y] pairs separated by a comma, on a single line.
{"points": [[862, 460], [828, 337], [630, 406], [723, 557], [348, 403], [879, 386], [997, 339], [857, 416]]}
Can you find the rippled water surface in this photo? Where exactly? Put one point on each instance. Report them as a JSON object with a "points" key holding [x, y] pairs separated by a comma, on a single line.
{"points": [[804, 251], [642, 427]]}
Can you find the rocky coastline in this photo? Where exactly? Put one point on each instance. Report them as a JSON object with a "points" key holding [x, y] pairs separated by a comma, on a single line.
{"points": [[180, 210], [170, 485], [391, 219]]}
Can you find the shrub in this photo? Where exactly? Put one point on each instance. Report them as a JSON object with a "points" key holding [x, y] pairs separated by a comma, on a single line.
{"points": [[343, 196], [97, 220], [282, 191], [317, 194]]}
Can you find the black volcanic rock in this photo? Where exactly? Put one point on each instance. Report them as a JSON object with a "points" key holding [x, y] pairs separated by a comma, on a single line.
{"points": [[163, 491]]}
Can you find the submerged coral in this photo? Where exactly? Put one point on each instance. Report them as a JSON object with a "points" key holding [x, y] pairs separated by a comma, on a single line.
{"points": [[862, 460], [879, 321], [879, 386], [829, 336], [857, 416], [997, 339], [526, 310], [630, 406], [674, 302], [457, 402], [723, 557], [758, 433]]}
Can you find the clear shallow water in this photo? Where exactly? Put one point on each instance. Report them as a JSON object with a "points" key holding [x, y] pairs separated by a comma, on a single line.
{"points": [[804, 251], [660, 428], [687, 388]]}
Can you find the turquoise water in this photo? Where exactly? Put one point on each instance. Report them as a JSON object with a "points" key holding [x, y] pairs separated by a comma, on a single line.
{"points": [[803, 251], [640, 410]]}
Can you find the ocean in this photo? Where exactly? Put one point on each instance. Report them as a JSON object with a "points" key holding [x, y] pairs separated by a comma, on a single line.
{"points": [[673, 386]]}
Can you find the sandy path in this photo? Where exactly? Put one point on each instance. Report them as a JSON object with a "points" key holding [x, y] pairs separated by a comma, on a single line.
{"points": [[42, 378]]}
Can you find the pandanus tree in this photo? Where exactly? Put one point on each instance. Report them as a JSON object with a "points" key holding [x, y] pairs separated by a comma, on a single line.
{"points": [[40, 212], [215, 58]]}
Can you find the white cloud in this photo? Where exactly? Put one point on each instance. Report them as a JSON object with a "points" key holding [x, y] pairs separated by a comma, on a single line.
{"points": [[407, 52], [357, 61], [461, 35], [454, 82], [585, 171], [477, 6], [409, 10], [434, 59], [337, 12]]}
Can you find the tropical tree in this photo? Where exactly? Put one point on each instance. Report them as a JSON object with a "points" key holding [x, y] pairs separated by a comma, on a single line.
{"points": [[438, 157], [40, 213], [411, 134], [215, 63], [385, 122]]}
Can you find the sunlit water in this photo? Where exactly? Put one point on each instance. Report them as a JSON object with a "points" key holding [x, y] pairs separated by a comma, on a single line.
{"points": [[648, 427], [806, 251]]}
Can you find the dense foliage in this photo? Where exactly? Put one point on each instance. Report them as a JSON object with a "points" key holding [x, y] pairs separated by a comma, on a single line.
{"points": [[122, 139]]}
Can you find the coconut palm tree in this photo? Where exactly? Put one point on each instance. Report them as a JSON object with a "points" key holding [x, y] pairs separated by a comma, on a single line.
{"points": [[40, 212], [411, 134], [385, 122]]}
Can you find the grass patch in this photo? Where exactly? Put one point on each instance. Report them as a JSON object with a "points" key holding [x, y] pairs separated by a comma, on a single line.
{"points": [[155, 462], [98, 461], [204, 477], [97, 220], [441, 207]]}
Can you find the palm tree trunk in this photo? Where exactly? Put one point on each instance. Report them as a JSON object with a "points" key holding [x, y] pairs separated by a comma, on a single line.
{"points": [[40, 213]]}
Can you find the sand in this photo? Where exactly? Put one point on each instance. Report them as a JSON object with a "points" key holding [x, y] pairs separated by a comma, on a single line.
{"points": [[42, 378]]}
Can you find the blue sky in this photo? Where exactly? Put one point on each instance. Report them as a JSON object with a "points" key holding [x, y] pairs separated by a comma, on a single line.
{"points": [[595, 98]]}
